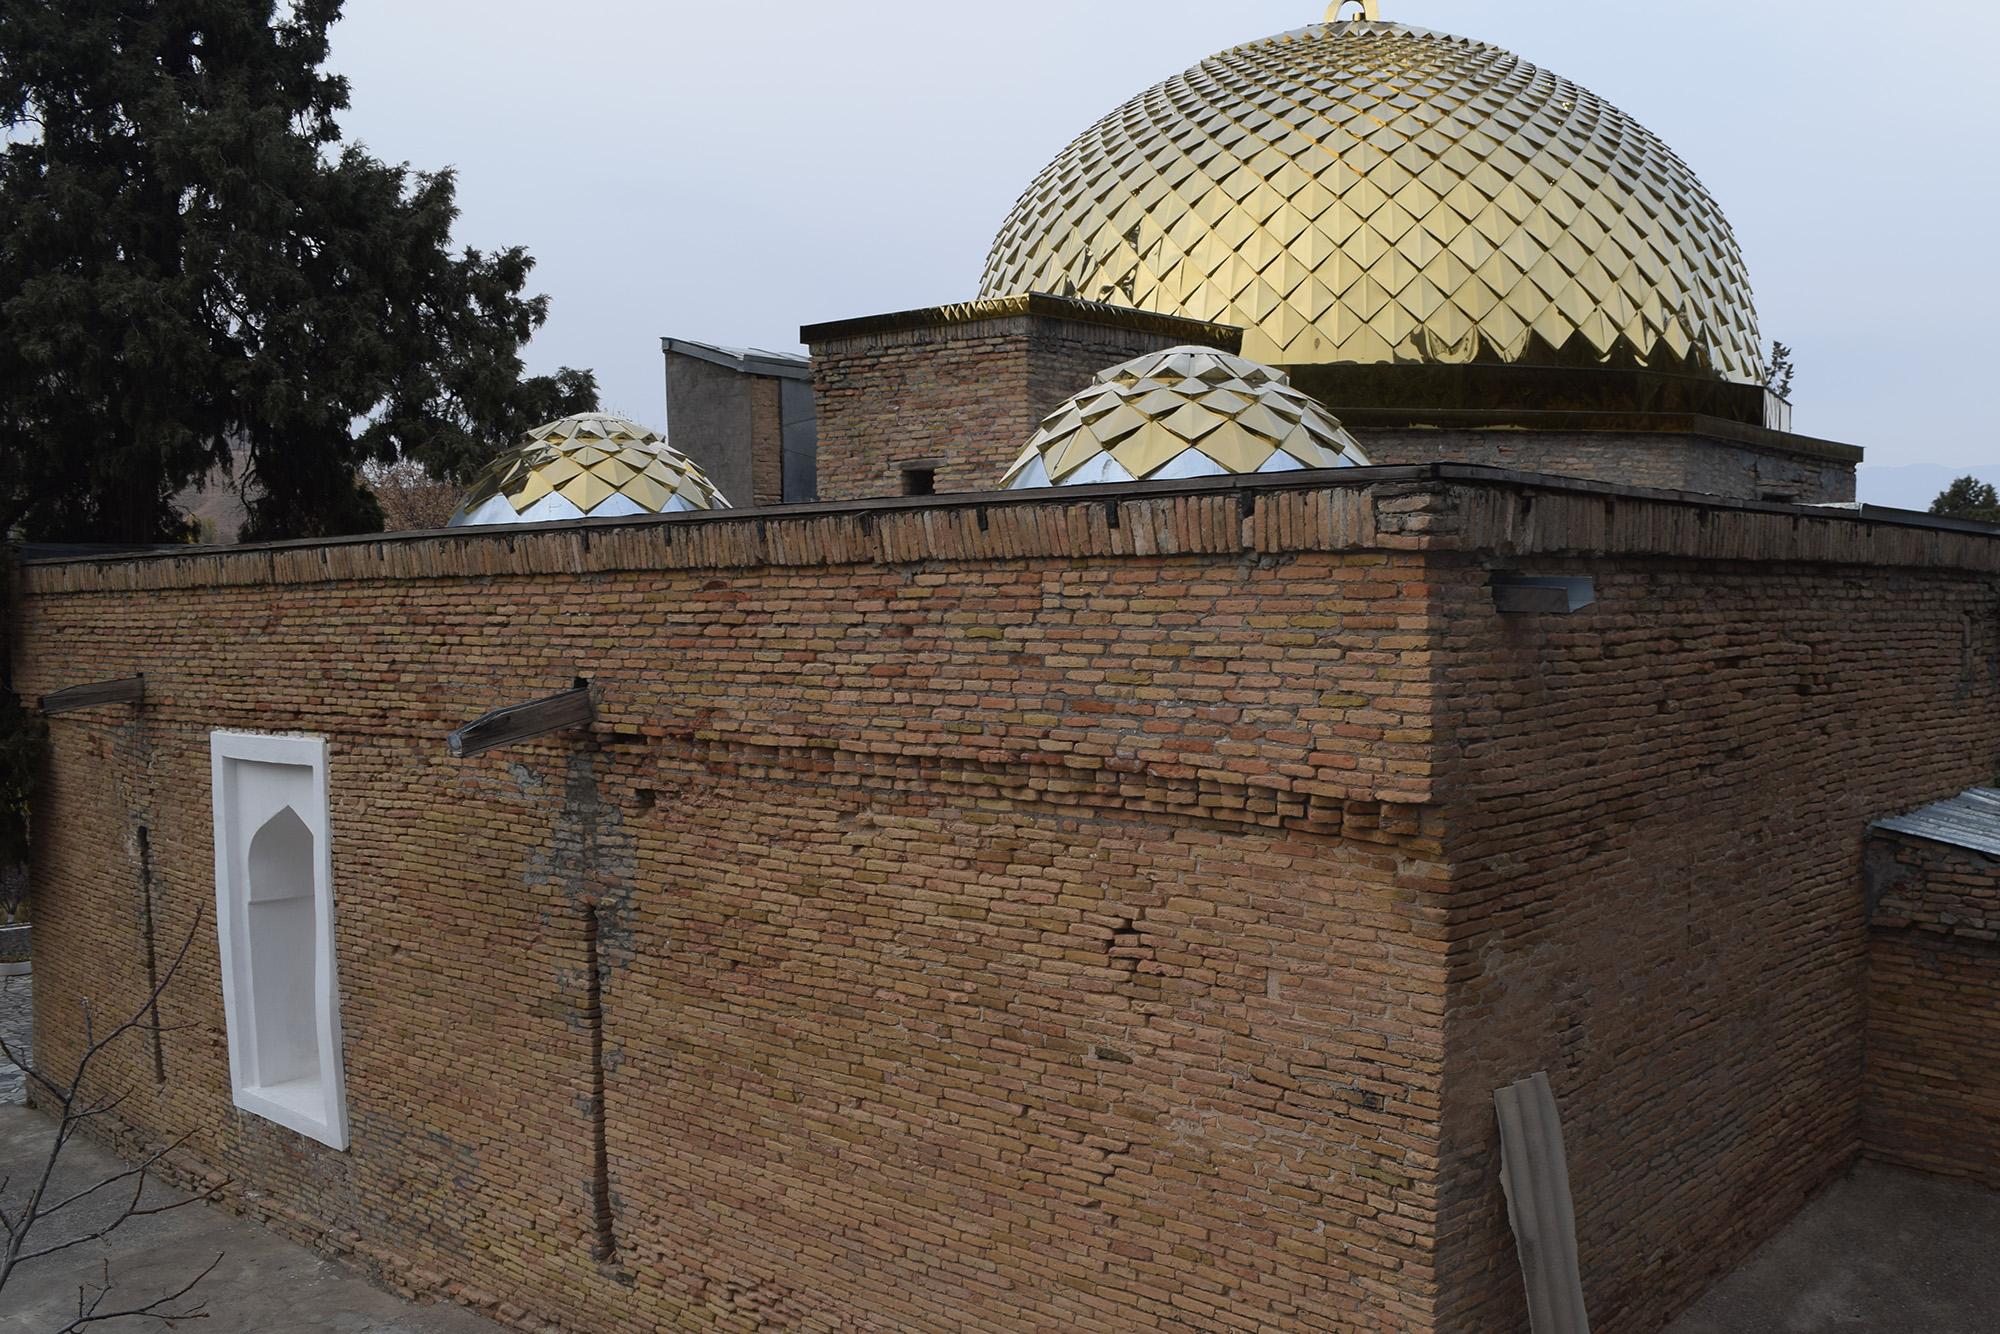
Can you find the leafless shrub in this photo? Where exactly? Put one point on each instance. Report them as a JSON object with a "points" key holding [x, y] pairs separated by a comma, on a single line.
{"points": [[74, 1109], [409, 496]]}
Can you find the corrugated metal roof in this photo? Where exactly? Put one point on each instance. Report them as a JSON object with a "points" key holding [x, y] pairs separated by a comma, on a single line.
{"points": [[1969, 820]]}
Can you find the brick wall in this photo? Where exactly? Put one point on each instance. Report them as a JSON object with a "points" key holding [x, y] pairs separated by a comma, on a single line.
{"points": [[767, 441], [1667, 460], [1654, 812], [1005, 917], [959, 389], [1932, 1099], [1043, 913]]}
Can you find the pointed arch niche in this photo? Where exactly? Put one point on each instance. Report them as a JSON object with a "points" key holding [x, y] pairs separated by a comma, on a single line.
{"points": [[274, 922]]}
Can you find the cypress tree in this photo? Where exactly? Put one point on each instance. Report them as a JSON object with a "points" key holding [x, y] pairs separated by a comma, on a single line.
{"points": [[192, 260]]}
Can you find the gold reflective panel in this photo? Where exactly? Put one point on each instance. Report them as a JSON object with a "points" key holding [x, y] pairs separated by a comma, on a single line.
{"points": [[587, 465], [1369, 192], [1185, 412]]}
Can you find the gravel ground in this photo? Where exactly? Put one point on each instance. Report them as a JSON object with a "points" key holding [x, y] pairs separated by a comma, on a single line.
{"points": [[17, 1016]]}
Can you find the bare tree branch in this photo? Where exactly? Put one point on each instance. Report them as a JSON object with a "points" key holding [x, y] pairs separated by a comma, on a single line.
{"points": [[130, 1212], [87, 1312], [100, 1109], [139, 1170], [73, 1109], [29, 1070]]}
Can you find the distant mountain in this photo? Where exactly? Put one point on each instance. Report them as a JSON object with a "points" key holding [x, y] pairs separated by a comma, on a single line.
{"points": [[215, 503], [1913, 486]]}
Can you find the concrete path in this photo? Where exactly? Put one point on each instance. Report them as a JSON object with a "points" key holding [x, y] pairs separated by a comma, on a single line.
{"points": [[264, 1285], [1881, 1252]]}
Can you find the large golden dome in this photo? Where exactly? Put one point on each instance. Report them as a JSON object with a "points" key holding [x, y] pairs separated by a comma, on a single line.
{"points": [[1370, 192]]}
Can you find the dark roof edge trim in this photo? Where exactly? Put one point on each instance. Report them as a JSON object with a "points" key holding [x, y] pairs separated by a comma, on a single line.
{"points": [[1761, 438], [747, 361], [1044, 304]]}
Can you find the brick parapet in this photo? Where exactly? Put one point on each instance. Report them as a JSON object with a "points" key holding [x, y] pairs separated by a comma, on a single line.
{"points": [[1440, 507]]}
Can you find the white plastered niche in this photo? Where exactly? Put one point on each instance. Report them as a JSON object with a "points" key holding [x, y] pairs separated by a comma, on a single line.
{"points": [[274, 923]]}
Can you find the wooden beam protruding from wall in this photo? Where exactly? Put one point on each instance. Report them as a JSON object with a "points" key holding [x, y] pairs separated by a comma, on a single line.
{"points": [[129, 690], [519, 722]]}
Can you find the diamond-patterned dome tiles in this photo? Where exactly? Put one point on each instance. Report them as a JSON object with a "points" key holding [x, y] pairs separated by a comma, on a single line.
{"points": [[1185, 412], [1369, 192], [588, 466]]}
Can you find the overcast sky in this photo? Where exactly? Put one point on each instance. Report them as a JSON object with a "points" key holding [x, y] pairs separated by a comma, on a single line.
{"points": [[729, 171]]}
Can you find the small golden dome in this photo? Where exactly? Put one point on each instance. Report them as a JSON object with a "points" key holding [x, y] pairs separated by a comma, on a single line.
{"points": [[1185, 412], [587, 466], [1370, 192]]}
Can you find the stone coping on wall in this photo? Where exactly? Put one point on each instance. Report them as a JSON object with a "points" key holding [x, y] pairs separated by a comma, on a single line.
{"points": [[1040, 305], [1498, 512]]}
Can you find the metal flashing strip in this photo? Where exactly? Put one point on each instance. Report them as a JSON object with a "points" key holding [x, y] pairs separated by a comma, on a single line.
{"points": [[1969, 820], [1534, 1172]]}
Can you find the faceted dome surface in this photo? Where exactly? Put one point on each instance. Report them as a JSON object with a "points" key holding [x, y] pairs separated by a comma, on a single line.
{"points": [[1185, 412], [587, 466], [1370, 192]]}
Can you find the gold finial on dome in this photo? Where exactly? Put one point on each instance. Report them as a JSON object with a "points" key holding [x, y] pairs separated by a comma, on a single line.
{"points": [[1371, 10], [1184, 412], [1373, 193], [588, 466]]}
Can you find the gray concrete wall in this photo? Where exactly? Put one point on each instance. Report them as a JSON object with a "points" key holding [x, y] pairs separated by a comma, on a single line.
{"points": [[709, 419], [801, 441]]}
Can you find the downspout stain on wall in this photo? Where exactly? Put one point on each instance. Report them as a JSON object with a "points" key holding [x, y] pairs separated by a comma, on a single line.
{"points": [[144, 839], [128, 741], [590, 863]]}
